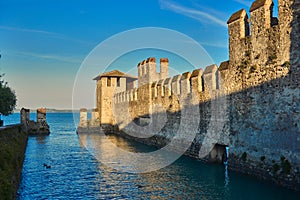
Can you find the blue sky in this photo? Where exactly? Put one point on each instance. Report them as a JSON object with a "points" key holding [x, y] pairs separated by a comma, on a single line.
{"points": [[44, 42]]}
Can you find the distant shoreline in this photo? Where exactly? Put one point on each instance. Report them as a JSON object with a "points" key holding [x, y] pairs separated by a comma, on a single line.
{"points": [[51, 110]]}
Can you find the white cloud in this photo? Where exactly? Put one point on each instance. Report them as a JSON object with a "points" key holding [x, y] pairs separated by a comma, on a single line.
{"points": [[201, 16]]}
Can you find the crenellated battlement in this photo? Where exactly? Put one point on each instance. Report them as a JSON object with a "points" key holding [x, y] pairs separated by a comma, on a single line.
{"points": [[186, 84], [261, 15], [147, 70], [261, 39], [258, 52], [250, 102]]}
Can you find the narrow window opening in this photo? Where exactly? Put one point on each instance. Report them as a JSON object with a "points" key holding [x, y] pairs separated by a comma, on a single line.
{"points": [[203, 85], [118, 82], [191, 85], [108, 81]]}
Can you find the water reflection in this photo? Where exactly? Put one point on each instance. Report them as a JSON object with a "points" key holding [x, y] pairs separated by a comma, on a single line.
{"points": [[41, 139], [186, 178], [76, 174], [125, 156]]}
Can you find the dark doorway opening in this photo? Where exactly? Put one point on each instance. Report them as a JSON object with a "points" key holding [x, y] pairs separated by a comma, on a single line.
{"points": [[218, 154]]}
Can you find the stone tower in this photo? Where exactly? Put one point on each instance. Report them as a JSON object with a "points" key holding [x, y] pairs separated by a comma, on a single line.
{"points": [[147, 71], [289, 24], [146, 76], [264, 49], [269, 40], [108, 84], [238, 28]]}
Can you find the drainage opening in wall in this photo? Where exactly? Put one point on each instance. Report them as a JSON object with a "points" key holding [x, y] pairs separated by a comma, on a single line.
{"points": [[219, 154], [144, 120]]}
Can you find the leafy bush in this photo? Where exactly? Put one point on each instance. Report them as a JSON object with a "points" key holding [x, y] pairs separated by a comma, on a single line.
{"points": [[8, 98]]}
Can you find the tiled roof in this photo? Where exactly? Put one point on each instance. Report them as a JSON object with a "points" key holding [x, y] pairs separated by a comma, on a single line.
{"points": [[115, 73]]}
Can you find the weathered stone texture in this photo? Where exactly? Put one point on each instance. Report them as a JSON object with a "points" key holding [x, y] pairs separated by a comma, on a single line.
{"points": [[41, 115], [109, 84], [250, 104], [40, 127]]}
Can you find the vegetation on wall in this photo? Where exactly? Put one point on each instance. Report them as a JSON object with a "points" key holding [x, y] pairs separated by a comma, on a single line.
{"points": [[12, 148], [285, 165]]}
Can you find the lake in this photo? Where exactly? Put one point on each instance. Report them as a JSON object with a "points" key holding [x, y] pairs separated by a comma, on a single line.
{"points": [[76, 174]]}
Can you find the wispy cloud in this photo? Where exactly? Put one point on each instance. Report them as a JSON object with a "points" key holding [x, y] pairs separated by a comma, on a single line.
{"points": [[68, 59], [28, 30], [214, 44], [218, 44], [244, 2], [48, 33], [199, 15]]}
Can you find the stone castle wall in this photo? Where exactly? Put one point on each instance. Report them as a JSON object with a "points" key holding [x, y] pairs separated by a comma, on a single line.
{"points": [[249, 104], [253, 97]]}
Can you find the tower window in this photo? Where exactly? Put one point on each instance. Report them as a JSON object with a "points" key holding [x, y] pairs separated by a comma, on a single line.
{"points": [[118, 81], [108, 82]]}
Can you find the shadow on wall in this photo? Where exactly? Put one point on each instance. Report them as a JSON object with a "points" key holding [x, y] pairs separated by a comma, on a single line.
{"points": [[255, 109], [295, 35]]}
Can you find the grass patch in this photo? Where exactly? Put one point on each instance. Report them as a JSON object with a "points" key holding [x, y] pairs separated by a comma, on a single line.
{"points": [[12, 148]]}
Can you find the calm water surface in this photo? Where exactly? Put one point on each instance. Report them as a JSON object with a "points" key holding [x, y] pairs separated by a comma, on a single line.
{"points": [[76, 174]]}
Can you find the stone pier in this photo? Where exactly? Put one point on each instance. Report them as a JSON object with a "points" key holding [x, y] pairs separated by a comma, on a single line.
{"points": [[89, 125], [83, 123], [95, 122], [40, 127]]}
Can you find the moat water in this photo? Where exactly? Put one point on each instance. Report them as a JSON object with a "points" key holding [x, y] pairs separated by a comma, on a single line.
{"points": [[76, 174]]}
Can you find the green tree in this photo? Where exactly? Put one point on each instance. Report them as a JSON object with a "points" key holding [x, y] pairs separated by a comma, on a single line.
{"points": [[8, 98]]}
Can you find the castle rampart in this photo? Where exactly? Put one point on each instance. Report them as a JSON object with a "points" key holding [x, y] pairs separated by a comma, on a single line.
{"points": [[147, 70], [254, 96], [267, 42]]}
